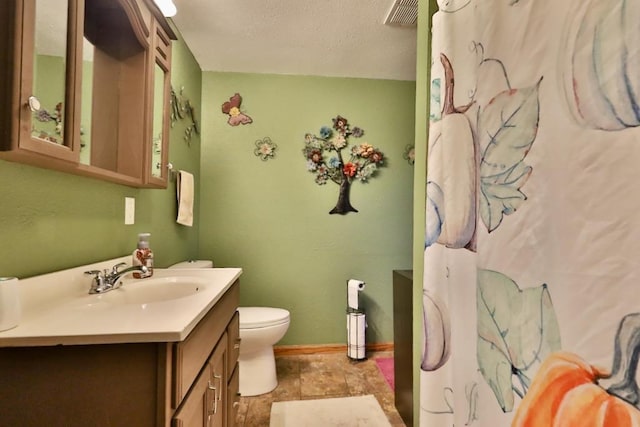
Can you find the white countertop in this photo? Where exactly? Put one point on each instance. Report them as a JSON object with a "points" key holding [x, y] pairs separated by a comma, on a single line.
{"points": [[58, 310]]}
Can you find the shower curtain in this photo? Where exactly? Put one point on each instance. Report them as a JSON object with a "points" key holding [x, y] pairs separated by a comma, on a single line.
{"points": [[532, 262]]}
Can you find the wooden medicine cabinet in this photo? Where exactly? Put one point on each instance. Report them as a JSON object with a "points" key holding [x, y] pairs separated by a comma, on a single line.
{"points": [[86, 87]]}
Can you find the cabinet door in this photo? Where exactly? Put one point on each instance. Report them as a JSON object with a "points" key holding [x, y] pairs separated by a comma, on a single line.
{"points": [[233, 398], [194, 408], [205, 404], [47, 64], [157, 154], [216, 416]]}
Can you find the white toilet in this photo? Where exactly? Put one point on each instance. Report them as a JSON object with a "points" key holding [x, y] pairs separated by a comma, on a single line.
{"points": [[260, 329]]}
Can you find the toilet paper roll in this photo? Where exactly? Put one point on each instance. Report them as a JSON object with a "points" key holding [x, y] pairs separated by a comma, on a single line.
{"points": [[356, 345], [353, 287], [10, 309]]}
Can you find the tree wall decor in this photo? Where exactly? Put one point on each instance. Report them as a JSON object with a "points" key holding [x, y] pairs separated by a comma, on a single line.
{"points": [[324, 154]]}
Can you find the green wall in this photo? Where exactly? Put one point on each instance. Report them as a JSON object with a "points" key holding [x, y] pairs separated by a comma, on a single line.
{"points": [[271, 219], [51, 220]]}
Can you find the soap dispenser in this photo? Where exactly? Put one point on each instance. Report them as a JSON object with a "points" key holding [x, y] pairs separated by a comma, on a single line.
{"points": [[143, 256]]}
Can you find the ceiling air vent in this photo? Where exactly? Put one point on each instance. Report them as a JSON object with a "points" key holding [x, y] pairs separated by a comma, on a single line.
{"points": [[403, 13]]}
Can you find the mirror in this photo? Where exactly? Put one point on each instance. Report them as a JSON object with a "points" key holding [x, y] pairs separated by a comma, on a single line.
{"points": [[159, 102], [49, 71]]}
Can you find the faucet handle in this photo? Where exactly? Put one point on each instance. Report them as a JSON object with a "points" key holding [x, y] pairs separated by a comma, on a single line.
{"points": [[115, 268], [95, 273], [97, 284]]}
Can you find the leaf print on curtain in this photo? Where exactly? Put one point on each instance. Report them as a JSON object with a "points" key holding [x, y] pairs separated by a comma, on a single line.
{"points": [[517, 329], [507, 127]]}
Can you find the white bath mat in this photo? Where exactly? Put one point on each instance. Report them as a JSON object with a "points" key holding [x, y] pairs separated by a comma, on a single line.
{"points": [[356, 411]]}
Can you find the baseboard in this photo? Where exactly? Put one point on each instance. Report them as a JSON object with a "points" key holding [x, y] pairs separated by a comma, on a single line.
{"points": [[295, 350]]}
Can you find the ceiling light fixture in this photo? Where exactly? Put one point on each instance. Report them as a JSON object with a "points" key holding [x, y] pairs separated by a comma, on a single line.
{"points": [[167, 7]]}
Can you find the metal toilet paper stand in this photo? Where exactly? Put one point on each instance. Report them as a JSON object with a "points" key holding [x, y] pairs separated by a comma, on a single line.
{"points": [[356, 323]]}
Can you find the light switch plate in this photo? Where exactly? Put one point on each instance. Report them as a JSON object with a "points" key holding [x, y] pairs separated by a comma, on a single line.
{"points": [[129, 210]]}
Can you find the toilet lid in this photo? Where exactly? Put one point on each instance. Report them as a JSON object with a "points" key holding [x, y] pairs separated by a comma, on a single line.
{"points": [[261, 317]]}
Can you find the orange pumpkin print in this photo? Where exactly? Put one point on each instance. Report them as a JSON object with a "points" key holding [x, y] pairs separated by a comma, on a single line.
{"points": [[568, 392]]}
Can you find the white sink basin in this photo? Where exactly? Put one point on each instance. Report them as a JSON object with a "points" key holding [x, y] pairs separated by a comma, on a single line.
{"points": [[57, 308], [152, 290]]}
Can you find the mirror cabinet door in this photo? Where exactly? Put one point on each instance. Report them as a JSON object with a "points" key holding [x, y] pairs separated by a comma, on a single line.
{"points": [[158, 154], [48, 84], [157, 137], [86, 101]]}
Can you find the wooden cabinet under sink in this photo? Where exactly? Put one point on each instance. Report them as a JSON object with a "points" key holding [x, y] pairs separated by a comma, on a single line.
{"points": [[189, 383]]}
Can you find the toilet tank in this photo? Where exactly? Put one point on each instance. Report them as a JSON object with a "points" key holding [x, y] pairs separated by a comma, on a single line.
{"points": [[200, 263]]}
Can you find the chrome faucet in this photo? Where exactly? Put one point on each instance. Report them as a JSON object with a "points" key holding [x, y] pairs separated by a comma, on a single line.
{"points": [[105, 281]]}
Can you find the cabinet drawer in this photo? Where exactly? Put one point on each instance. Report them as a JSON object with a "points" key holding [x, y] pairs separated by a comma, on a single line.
{"points": [[192, 353], [233, 332], [233, 397]]}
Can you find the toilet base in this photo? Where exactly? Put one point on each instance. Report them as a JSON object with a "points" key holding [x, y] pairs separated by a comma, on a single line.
{"points": [[257, 372]]}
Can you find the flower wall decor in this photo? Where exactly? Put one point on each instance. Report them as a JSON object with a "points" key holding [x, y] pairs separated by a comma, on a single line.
{"points": [[232, 109], [44, 116], [364, 160], [410, 154], [265, 149]]}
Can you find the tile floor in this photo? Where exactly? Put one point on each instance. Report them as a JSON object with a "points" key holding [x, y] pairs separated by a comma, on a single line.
{"points": [[317, 376]]}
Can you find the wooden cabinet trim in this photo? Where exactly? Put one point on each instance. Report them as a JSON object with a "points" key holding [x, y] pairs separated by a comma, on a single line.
{"points": [[138, 23]]}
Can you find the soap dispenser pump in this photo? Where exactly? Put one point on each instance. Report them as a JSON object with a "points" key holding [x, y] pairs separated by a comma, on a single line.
{"points": [[143, 256]]}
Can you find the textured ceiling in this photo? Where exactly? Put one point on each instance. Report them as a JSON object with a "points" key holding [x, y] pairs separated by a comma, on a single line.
{"points": [[338, 38]]}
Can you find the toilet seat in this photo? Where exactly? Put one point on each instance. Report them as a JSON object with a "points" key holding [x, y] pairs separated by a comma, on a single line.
{"points": [[262, 317]]}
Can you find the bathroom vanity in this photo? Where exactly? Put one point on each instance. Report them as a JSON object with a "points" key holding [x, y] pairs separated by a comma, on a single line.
{"points": [[101, 360]]}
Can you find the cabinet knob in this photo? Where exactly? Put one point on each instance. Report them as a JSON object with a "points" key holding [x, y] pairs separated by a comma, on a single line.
{"points": [[33, 103]]}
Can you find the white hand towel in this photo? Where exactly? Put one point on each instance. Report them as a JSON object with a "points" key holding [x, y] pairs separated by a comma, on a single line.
{"points": [[184, 186]]}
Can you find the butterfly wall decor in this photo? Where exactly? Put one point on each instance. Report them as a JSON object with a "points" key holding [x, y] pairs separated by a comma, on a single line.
{"points": [[232, 109]]}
